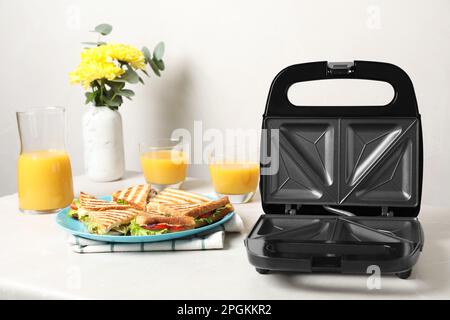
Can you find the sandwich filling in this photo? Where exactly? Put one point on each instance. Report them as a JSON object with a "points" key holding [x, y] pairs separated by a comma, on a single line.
{"points": [[77, 212], [153, 229], [93, 227], [208, 217], [162, 228]]}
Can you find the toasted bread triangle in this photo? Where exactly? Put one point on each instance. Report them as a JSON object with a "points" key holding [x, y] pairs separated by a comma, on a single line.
{"points": [[136, 196], [174, 196], [189, 209], [91, 203], [156, 217], [108, 219], [182, 203]]}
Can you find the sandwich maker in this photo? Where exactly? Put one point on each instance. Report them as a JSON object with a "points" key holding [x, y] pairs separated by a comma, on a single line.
{"points": [[347, 192]]}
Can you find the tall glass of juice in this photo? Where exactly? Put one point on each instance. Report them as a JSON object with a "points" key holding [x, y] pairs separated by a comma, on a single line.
{"points": [[43, 171], [234, 174], [164, 163]]}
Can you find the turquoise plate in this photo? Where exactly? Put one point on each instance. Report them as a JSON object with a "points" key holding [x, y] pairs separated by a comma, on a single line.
{"points": [[77, 228]]}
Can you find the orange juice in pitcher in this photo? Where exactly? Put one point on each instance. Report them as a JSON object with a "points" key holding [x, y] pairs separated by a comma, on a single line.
{"points": [[43, 171]]}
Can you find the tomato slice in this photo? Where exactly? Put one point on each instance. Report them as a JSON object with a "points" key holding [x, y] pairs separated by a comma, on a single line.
{"points": [[176, 228], [161, 226], [158, 226], [73, 206]]}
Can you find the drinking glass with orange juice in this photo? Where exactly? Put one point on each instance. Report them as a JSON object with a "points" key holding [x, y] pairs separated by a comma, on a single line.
{"points": [[234, 175], [43, 171], [164, 163]]}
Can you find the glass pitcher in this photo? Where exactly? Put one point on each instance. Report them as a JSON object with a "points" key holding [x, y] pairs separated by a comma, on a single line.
{"points": [[43, 171]]}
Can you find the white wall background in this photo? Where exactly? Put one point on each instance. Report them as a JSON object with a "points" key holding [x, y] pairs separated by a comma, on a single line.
{"points": [[221, 58]]}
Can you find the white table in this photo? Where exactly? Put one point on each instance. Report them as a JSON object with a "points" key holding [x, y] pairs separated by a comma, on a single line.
{"points": [[35, 262]]}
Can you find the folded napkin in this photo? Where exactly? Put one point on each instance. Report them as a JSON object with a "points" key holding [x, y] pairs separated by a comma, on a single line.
{"points": [[211, 239]]}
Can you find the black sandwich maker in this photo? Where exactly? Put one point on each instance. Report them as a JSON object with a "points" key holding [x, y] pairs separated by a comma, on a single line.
{"points": [[347, 189]]}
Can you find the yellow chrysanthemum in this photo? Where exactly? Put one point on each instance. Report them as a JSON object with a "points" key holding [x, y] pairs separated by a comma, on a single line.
{"points": [[126, 53], [86, 72], [102, 63], [95, 65]]}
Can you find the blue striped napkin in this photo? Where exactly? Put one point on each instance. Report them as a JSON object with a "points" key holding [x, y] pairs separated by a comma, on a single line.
{"points": [[211, 239]]}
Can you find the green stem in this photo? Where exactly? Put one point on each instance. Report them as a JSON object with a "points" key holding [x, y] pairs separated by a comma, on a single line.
{"points": [[101, 87]]}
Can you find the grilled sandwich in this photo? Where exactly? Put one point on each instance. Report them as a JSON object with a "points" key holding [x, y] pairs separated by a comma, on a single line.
{"points": [[102, 222], [150, 223], [101, 216], [200, 209], [136, 196], [85, 204], [191, 210], [179, 222]]}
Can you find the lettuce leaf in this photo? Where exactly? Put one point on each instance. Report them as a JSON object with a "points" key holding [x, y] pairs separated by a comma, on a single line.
{"points": [[121, 201], [137, 230], [73, 214], [84, 218], [209, 219], [123, 229], [91, 226]]}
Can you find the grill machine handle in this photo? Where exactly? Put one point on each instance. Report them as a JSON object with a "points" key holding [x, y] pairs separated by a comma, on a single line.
{"points": [[403, 104]]}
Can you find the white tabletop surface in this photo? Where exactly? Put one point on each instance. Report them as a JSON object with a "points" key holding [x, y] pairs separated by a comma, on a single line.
{"points": [[35, 262]]}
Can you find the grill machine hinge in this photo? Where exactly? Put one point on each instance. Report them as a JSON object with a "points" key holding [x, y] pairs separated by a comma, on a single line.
{"points": [[386, 213], [292, 209]]}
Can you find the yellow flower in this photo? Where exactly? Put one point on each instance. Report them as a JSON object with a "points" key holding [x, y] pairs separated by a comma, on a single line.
{"points": [[126, 53], [102, 62], [89, 71], [95, 65]]}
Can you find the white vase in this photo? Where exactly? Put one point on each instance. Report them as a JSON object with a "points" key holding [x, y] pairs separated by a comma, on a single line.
{"points": [[103, 144]]}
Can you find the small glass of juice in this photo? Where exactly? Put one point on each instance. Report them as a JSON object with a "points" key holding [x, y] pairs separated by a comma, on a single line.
{"points": [[234, 175], [164, 163], [44, 173]]}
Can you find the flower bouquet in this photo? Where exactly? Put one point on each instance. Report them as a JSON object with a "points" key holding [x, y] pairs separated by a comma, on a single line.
{"points": [[104, 71]]}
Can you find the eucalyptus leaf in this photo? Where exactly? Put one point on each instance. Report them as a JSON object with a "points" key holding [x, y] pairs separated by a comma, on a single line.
{"points": [[154, 67], [145, 72], [160, 64], [115, 86], [89, 43], [90, 96], [146, 54], [126, 93], [116, 102], [119, 79], [118, 99], [104, 29], [99, 43], [158, 52], [109, 94], [130, 76]]}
